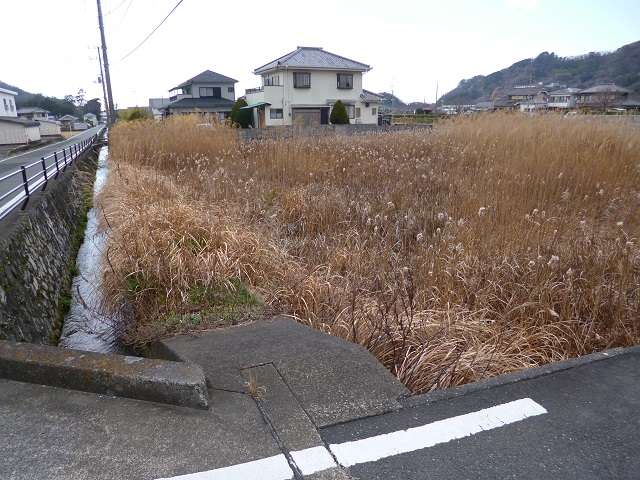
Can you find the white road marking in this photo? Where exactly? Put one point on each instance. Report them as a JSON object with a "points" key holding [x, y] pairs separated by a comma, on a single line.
{"points": [[404, 441], [370, 449], [313, 460], [271, 468]]}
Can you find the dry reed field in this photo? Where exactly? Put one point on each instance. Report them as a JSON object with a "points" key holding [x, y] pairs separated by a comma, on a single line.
{"points": [[491, 244]]}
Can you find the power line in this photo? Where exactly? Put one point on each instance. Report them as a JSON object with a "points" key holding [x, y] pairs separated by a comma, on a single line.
{"points": [[124, 15], [154, 30], [114, 9]]}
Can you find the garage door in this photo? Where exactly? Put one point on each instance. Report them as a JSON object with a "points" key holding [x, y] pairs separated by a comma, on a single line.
{"points": [[306, 116]]}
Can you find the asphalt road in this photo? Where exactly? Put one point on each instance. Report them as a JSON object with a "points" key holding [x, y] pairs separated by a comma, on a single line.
{"points": [[13, 163], [591, 430]]}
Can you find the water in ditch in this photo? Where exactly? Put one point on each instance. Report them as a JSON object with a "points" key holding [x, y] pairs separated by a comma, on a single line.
{"points": [[86, 327]]}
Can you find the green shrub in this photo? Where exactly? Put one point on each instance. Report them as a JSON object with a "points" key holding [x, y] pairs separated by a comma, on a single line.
{"points": [[135, 113], [244, 118], [339, 115]]}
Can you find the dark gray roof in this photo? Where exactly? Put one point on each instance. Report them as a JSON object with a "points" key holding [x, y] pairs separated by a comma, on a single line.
{"points": [[484, 105], [565, 91], [605, 88], [207, 77], [31, 110], [313, 57], [23, 121], [527, 90], [158, 102], [208, 102]]}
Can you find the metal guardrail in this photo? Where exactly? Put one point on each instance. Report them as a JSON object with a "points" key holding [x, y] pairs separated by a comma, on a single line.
{"points": [[26, 180]]}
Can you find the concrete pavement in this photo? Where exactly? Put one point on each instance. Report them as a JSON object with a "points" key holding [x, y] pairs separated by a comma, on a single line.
{"points": [[285, 398]]}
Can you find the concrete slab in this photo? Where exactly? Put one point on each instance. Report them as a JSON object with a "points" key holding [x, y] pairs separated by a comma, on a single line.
{"points": [[59, 434], [333, 380], [294, 428], [121, 376]]}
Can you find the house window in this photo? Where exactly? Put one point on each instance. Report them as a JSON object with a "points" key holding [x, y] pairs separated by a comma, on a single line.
{"points": [[373, 111], [6, 107], [351, 110], [229, 89], [11, 103], [301, 79], [358, 112], [275, 113], [210, 92], [269, 81], [345, 80]]}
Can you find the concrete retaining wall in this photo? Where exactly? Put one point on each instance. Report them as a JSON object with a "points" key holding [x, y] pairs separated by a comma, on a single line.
{"points": [[37, 253]]}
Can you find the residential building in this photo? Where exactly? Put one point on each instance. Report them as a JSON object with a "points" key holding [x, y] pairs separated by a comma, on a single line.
{"points": [[606, 96], [302, 86], [156, 105], [33, 113], [563, 98], [14, 130], [8, 103], [90, 118], [208, 92]]}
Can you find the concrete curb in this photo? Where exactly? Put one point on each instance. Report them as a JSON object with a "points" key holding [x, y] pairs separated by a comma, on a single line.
{"points": [[161, 381], [514, 377]]}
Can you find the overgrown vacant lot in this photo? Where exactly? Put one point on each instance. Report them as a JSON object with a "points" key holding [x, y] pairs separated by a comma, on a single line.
{"points": [[488, 245]]}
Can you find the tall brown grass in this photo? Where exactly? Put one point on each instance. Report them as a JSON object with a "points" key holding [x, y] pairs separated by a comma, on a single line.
{"points": [[488, 245]]}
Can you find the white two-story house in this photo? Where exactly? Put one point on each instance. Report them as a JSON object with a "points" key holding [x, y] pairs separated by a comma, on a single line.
{"points": [[302, 86], [208, 92], [15, 130]]}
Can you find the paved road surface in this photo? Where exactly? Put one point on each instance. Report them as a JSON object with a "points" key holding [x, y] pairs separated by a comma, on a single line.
{"points": [[327, 411]]}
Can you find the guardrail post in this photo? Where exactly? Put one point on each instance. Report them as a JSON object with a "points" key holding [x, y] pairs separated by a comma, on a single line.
{"points": [[44, 169], [55, 157], [25, 183], [64, 154]]}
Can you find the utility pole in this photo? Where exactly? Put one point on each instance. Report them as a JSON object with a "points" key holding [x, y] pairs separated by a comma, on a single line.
{"points": [[111, 112], [104, 89]]}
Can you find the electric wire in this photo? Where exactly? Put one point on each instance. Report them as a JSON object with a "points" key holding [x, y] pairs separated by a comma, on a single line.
{"points": [[114, 9], [154, 30]]}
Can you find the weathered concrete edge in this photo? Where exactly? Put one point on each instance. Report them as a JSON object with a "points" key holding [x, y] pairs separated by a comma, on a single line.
{"points": [[173, 383], [514, 377]]}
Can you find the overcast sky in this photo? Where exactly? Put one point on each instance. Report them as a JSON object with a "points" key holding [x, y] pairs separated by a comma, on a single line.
{"points": [[413, 46]]}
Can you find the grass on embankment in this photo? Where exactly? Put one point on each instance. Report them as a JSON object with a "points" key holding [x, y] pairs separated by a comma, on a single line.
{"points": [[488, 245]]}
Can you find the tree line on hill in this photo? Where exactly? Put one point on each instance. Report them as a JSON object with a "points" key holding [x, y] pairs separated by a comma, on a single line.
{"points": [[75, 105]]}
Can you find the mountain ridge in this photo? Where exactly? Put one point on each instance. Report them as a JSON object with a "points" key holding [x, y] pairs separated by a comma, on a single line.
{"points": [[621, 67]]}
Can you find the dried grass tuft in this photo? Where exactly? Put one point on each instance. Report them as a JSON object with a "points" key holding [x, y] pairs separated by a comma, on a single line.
{"points": [[492, 244]]}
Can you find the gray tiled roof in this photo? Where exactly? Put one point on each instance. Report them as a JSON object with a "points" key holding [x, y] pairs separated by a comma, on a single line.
{"points": [[23, 121], [207, 77], [158, 102], [31, 110], [606, 88], [313, 57], [565, 91], [367, 95]]}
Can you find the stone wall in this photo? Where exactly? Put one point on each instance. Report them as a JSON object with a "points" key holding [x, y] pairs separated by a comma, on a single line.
{"points": [[37, 254]]}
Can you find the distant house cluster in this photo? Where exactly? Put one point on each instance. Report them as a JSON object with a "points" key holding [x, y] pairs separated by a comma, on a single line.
{"points": [[532, 98], [19, 126], [299, 88]]}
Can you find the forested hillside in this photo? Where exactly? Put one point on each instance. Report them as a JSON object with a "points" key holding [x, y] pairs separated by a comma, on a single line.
{"points": [[621, 67]]}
